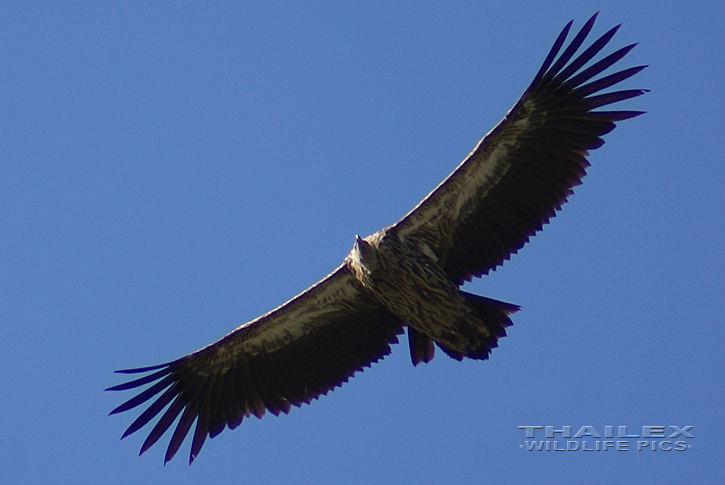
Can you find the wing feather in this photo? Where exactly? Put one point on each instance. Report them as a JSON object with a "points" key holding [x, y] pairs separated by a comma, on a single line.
{"points": [[521, 172], [288, 357]]}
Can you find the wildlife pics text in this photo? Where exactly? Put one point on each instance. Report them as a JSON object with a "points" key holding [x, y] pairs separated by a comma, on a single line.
{"points": [[592, 438]]}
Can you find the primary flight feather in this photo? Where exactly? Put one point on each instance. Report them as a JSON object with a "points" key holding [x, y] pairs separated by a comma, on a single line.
{"points": [[408, 274]]}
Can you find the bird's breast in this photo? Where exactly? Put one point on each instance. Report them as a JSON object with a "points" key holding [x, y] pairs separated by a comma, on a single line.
{"points": [[415, 288]]}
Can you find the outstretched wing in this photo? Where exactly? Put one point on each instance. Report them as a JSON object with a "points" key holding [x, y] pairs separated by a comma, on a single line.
{"points": [[524, 169], [290, 356]]}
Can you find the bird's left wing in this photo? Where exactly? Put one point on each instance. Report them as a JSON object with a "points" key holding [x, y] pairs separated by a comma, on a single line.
{"points": [[289, 356], [521, 172]]}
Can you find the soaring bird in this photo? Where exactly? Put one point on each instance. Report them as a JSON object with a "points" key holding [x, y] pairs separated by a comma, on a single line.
{"points": [[408, 274]]}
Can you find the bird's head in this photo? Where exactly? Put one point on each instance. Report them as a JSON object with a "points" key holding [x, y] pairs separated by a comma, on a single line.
{"points": [[364, 257]]}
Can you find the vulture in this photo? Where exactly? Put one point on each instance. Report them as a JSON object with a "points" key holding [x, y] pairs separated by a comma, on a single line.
{"points": [[409, 274]]}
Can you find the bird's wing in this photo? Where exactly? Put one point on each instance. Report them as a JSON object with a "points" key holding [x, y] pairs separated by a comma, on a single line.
{"points": [[524, 169], [293, 354]]}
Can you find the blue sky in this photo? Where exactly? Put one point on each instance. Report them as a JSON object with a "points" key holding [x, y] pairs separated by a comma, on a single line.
{"points": [[171, 170]]}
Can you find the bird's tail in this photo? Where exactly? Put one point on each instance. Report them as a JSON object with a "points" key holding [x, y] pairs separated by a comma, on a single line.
{"points": [[495, 315]]}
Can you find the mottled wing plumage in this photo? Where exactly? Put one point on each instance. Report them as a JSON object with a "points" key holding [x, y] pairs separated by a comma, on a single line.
{"points": [[522, 171], [265, 365]]}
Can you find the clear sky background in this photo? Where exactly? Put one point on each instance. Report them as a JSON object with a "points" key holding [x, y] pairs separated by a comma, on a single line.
{"points": [[170, 170]]}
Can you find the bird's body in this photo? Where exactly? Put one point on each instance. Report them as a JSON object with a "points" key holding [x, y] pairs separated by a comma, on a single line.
{"points": [[412, 285], [408, 275]]}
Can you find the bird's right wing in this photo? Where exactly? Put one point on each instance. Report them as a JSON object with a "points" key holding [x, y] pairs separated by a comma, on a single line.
{"points": [[524, 169], [289, 356]]}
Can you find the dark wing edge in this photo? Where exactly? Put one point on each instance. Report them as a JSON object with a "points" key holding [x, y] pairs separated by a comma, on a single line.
{"points": [[521, 172], [265, 365]]}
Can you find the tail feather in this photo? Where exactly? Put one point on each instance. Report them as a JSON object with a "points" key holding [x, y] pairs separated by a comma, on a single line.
{"points": [[496, 317]]}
